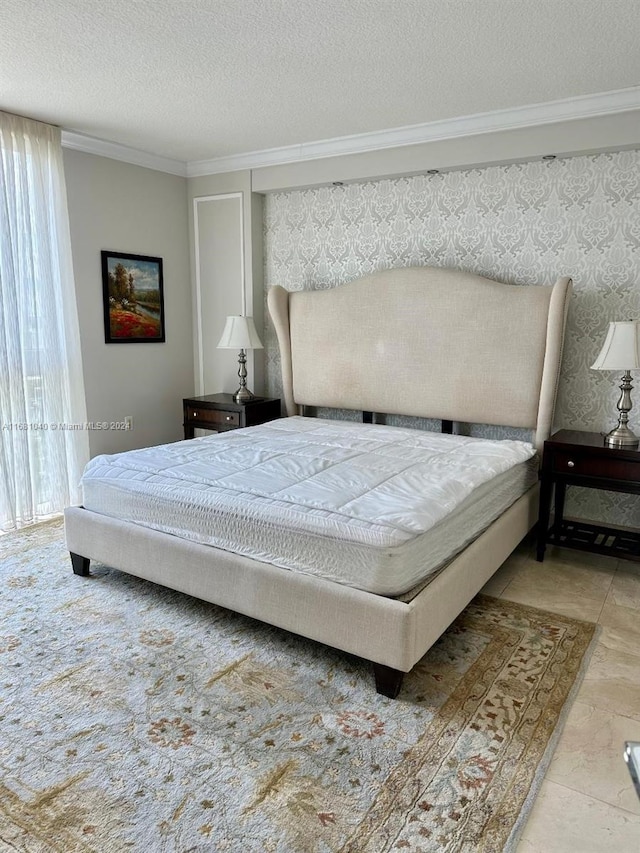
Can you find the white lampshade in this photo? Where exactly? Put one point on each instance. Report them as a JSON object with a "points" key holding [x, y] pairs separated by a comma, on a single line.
{"points": [[240, 333], [621, 349]]}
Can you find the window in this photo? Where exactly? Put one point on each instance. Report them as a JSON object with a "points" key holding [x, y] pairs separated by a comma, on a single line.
{"points": [[41, 387]]}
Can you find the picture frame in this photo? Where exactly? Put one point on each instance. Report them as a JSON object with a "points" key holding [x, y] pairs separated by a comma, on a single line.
{"points": [[133, 298]]}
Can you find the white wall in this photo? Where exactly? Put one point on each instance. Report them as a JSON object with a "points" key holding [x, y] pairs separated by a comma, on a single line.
{"points": [[121, 207], [225, 224]]}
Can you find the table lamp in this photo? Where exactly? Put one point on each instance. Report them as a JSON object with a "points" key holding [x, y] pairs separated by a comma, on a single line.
{"points": [[621, 351], [240, 333]]}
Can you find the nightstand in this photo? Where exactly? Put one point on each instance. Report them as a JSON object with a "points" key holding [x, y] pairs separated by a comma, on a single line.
{"points": [[575, 458], [219, 412]]}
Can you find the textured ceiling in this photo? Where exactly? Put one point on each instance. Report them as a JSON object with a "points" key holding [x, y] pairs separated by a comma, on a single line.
{"points": [[198, 79]]}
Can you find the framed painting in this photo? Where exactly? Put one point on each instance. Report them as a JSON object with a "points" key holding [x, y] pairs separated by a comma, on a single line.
{"points": [[132, 293]]}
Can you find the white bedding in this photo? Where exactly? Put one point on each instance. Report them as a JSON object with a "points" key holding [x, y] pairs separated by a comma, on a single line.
{"points": [[370, 506]]}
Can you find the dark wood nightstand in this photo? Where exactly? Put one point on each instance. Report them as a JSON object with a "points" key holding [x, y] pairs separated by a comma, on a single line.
{"points": [[219, 412], [576, 458]]}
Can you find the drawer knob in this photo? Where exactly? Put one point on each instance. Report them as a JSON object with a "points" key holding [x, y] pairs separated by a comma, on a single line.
{"points": [[194, 414], [229, 418], [571, 464]]}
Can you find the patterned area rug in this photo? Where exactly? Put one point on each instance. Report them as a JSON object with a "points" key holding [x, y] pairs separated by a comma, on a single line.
{"points": [[136, 719]]}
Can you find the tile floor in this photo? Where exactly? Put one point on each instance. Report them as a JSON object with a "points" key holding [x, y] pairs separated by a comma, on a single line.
{"points": [[587, 803]]}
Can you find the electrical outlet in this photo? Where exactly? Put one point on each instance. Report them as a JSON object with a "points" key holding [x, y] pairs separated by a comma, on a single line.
{"points": [[128, 420]]}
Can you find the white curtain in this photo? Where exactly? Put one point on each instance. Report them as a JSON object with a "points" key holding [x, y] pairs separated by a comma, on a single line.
{"points": [[43, 440]]}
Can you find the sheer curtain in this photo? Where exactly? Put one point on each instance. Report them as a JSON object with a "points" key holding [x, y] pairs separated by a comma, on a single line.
{"points": [[43, 442]]}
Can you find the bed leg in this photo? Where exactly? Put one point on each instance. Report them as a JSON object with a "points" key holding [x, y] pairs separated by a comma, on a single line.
{"points": [[388, 680], [79, 564]]}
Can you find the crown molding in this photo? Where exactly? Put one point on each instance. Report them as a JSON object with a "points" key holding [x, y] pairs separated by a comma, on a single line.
{"points": [[551, 112], [115, 151]]}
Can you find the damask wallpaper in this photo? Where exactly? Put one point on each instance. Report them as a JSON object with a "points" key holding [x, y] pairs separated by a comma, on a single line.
{"points": [[524, 223]]}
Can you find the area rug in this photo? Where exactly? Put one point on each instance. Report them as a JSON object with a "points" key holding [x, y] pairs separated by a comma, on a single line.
{"points": [[133, 718]]}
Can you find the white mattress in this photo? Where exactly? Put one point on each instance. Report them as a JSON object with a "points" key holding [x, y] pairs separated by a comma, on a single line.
{"points": [[374, 507]]}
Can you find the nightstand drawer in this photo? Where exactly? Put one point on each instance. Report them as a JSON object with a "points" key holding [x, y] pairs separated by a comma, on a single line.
{"points": [[591, 466], [220, 412], [213, 416]]}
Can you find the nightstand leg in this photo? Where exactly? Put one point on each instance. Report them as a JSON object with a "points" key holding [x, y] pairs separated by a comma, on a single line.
{"points": [[558, 515], [546, 487]]}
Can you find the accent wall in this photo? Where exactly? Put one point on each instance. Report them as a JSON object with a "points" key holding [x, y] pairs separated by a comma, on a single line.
{"points": [[524, 223]]}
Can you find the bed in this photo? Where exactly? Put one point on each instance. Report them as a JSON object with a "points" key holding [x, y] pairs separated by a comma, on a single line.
{"points": [[423, 342]]}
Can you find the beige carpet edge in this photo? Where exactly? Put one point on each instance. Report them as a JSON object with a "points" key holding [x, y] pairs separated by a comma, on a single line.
{"points": [[518, 827]]}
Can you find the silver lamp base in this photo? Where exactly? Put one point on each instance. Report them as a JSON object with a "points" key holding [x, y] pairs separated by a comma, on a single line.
{"points": [[621, 436], [243, 395]]}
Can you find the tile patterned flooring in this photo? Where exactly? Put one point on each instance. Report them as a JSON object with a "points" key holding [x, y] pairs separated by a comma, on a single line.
{"points": [[587, 803]]}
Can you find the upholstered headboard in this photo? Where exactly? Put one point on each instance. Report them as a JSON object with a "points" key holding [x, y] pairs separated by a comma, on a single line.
{"points": [[436, 343]]}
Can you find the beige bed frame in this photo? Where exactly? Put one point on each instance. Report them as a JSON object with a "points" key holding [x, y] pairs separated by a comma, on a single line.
{"points": [[428, 342]]}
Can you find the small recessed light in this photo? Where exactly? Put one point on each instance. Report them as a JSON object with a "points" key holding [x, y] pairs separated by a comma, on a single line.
{"points": [[433, 171], [548, 156], [338, 183]]}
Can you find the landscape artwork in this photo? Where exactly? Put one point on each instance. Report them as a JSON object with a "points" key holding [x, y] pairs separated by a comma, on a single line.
{"points": [[133, 298]]}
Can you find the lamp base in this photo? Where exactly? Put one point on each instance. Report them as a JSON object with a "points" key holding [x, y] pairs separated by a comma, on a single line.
{"points": [[243, 395], [621, 436]]}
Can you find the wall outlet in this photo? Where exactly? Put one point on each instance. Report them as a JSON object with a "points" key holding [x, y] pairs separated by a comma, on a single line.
{"points": [[128, 420]]}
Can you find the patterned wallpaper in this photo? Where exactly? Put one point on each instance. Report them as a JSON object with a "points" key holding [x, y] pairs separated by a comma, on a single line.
{"points": [[523, 223]]}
